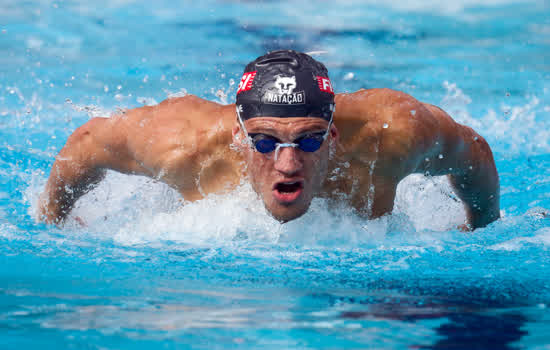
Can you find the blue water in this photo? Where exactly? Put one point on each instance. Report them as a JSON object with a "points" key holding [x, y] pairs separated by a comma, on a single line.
{"points": [[148, 271]]}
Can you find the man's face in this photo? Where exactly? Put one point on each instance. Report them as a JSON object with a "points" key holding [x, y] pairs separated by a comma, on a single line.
{"points": [[286, 183]]}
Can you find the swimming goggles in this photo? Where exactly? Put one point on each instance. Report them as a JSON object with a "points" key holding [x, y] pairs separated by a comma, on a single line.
{"points": [[266, 143]]}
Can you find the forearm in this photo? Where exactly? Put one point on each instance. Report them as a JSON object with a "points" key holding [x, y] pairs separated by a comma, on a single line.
{"points": [[68, 181], [481, 198], [78, 166], [477, 185]]}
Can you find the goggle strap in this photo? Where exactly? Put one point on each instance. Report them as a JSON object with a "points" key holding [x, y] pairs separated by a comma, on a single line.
{"points": [[247, 137]]}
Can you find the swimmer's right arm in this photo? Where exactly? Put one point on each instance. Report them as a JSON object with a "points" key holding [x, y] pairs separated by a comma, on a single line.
{"points": [[94, 147]]}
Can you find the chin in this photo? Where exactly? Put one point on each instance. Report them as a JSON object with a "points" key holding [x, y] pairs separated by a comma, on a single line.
{"points": [[285, 214]]}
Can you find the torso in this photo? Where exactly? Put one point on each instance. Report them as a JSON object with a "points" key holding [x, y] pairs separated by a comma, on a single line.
{"points": [[185, 143]]}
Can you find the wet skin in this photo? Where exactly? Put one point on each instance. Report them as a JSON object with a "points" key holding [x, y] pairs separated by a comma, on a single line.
{"points": [[286, 183], [379, 137]]}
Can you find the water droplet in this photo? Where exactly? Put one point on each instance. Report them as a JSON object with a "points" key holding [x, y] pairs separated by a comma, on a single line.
{"points": [[349, 76], [105, 88], [470, 167], [476, 138], [385, 126], [119, 87], [440, 156], [413, 112], [450, 169], [427, 159], [231, 82]]}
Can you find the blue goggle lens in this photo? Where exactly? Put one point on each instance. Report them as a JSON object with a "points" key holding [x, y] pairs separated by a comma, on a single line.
{"points": [[266, 144], [310, 143]]}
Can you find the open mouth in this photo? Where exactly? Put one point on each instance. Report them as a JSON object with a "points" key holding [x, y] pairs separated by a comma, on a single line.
{"points": [[288, 191]]}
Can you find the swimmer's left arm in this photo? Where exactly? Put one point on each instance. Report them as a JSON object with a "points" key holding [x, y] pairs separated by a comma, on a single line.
{"points": [[475, 179], [466, 158]]}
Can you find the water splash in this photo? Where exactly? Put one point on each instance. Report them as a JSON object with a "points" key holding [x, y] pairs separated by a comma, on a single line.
{"points": [[516, 130]]}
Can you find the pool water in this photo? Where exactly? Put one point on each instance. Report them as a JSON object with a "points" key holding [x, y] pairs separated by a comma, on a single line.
{"points": [[151, 271]]}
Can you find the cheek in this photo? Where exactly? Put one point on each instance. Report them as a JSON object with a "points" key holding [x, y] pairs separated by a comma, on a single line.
{"points": [[317, 166], [259, 170]]}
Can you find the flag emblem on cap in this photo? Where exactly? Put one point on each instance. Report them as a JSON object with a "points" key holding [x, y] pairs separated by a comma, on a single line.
{"points": [[246, 82], [325, 85]]}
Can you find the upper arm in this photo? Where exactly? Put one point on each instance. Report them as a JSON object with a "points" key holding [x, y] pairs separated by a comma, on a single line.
{"points": [[422, 138], [101, 143], [409, 133], [457, 149]]}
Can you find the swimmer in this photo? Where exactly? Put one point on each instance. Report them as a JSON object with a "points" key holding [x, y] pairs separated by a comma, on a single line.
{"points": [[291, 137]]}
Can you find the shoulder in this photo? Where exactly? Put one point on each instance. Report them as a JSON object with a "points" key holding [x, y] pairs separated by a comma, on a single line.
{"points": [[398, 120], [381, 105], [395, 125]]}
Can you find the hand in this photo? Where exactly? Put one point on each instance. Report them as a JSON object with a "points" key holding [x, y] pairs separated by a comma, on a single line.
{"points": [[465, 228]]}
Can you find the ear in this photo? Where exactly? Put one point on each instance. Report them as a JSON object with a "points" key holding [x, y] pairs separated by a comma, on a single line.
{"points": [[334, 134], [238, 135]]}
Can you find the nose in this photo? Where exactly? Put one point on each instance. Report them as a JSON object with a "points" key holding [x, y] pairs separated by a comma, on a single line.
{"points": [[288, 161]]}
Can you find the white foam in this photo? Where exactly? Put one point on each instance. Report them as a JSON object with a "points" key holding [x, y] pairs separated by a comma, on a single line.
{"points": [[136, 210], [541, 237]]}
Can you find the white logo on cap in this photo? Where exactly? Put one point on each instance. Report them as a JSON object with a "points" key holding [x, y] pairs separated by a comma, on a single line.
{"points": [[285, 84], [284, 93]]}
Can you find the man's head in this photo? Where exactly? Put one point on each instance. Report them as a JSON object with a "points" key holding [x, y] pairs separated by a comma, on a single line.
{"points": [[285, 103]]}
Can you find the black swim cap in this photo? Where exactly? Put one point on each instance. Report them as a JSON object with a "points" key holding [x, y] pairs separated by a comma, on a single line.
{"points": [[283, 84]]}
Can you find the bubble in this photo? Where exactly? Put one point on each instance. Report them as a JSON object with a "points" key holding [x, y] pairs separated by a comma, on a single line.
{"points": [[105, 88], [385, 126], [413, 112], [349, 76], [440, 156]]}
